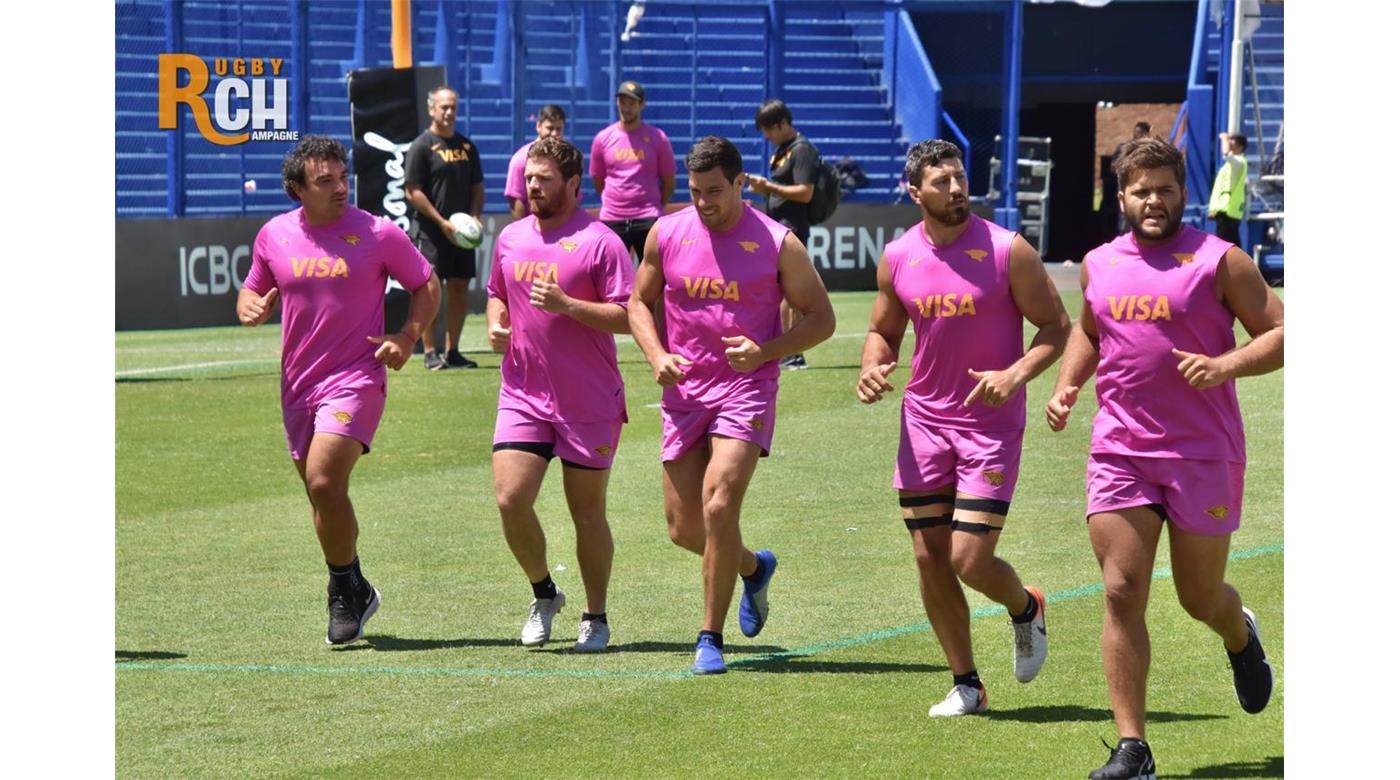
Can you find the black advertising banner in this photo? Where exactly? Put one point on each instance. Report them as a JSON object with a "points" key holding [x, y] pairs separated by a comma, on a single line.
{"points": [[388, 109], [846, 249], [182, 273]]}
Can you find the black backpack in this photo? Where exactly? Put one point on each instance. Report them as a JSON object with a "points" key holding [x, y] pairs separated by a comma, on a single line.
{"points": [[826, 191]]}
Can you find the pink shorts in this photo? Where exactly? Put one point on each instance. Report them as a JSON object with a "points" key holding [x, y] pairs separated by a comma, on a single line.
{"points": [[979, 464], [589, 445], [748, 418], [351, 409], [1199, 496]]}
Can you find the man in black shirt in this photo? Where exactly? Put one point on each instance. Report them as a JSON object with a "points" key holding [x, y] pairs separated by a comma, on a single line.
{"points": [[792, 174], [442, 177]]}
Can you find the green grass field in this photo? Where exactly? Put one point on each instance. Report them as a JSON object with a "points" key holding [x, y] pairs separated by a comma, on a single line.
{"points": [[221, 667]]}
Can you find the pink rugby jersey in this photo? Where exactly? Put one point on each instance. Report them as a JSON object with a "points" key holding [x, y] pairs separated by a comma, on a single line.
{"points": [[330, 280], [631, 162], [559, 369], [1146, 301], [718, 285], [959, 299]]}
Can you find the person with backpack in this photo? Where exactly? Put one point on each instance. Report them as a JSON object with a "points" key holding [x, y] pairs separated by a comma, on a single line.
{"points": [[795, 191]]}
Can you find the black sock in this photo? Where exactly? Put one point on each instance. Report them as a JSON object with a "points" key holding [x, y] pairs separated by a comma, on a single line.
{"points": [[970, 679], [717, 637], [757, 572], [1028, 614], [544, 589], [348, 577], [601, 617]]}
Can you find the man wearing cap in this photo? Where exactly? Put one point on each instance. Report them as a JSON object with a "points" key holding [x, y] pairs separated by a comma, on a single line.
{"points": [[633, 169]]}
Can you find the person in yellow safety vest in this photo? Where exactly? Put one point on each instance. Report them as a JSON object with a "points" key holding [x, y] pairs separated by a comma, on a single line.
{"points": [[1227, 196]]}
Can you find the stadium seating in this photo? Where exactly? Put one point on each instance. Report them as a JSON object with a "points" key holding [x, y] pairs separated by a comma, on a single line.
{"points": [[705, 66]]}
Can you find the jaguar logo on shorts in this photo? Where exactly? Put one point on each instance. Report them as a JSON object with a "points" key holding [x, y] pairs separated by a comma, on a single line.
{"points": [[568, 246], [343, 418], [976, 254], [994, 478], [1183, 258], [749, 246], [603, 450], [1218, 512], [756, 423], [351, 239]]}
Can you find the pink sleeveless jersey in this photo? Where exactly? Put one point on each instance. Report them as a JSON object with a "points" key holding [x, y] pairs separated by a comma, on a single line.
{"points": [[959, 299], [330, 281], [717, 285], [557, 368], [1147, 300]]}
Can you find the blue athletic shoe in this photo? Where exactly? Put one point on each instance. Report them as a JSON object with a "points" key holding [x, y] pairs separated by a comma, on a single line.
{"points": [[753, 605], [708, 658]]}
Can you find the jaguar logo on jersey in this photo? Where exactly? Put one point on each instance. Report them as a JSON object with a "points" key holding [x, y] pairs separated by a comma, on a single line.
{"points": [[1139, 307], [705, 287], [603, 450], [687, 241], [749, 246], [1218, 512], [350, 238], [945, 305], [994, 478], [243, 109], [568, 246], [343, 418], [1182, 258], [756, 423], [976, 254]]}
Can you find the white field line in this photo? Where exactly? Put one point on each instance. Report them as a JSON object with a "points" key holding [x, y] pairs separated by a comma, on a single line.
{"points": [[185, 366]]}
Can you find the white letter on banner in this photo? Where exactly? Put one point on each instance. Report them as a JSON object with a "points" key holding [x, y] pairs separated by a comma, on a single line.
{"points": [[817, 243], [195, 255], [275, 114], [240, 252], [845, 246], [237, 120], [218, 270], [870, 246]]}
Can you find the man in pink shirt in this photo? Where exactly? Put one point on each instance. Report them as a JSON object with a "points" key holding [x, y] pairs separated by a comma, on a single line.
{"points": [[549, 124], [556, 295], [633, 168], [721, 268], [1157, 332], [968, 285], [328, 264]]}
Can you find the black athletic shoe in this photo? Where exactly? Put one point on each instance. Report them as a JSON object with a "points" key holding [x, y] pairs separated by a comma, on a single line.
{"points": [[1131, 760], [349, 613], [794, 362], [1254, 675], [433, 361], [455, 359]]}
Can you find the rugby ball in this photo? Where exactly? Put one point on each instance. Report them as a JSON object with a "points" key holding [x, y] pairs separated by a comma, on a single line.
{"points": [[467, 232]]}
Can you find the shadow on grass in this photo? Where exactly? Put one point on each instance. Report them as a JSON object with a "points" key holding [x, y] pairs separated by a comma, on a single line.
{"points": [[147, 655], [800, 665], [1269, 767], [1073, 713], [688, 647], [385, 643]]}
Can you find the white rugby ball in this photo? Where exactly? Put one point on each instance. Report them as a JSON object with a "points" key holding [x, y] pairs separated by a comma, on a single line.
{"points": [[468, 230]]}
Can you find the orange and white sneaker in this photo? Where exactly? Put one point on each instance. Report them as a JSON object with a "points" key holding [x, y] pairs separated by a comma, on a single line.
{"points": [[1031, 645], [962, 700]]}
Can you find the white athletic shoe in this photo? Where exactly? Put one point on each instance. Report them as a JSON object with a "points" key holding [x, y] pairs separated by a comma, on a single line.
{"points": [[962, 700], [541, 619], [592, 637], [1031, 646]]}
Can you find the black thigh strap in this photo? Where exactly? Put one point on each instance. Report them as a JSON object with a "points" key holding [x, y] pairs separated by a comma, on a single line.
{"points": [[908, 501], [539, 448], [988, 505], [916, 523]]}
